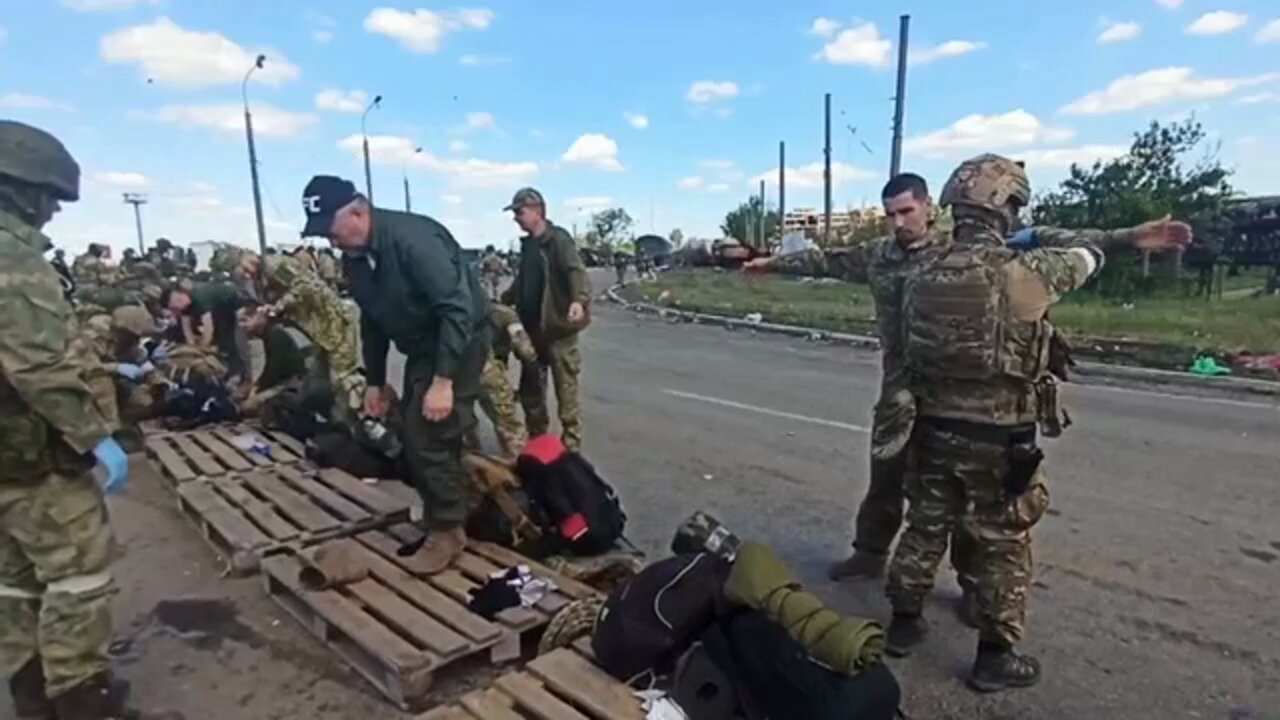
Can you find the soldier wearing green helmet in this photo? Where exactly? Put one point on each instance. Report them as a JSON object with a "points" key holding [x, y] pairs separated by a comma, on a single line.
{"points": [[976, 352], [56, 545]]}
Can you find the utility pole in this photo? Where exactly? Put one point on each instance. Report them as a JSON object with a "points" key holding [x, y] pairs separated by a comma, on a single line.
{"points": [[404, 173], [764, 234], [137, 201], [899, 98], [782, 188], [364, 133], [826, 179], [253, 156]]}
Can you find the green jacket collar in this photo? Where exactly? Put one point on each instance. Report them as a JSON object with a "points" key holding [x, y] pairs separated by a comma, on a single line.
{"points": [[26, 234]]}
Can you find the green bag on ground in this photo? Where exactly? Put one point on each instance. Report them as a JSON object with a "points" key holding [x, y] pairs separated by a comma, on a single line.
{"points": [[760, 581]]}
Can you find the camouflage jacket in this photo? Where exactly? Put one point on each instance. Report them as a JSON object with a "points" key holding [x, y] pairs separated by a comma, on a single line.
{"points": [[48, 420], [302, 298], [888, 265], [90, 271]]}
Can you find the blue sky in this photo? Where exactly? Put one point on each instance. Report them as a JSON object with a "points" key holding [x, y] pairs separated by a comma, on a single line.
{"points": [[669, 109]]}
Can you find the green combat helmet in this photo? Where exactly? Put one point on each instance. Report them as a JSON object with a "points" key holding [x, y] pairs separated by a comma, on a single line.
{"points": [[703, 533], [35, 157]]}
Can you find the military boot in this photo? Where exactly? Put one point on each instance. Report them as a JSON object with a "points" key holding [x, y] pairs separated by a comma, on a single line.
{"points": [[26, 688], [98, 698], [439, 551], [904, 633], [999, 667], [859, 565]]}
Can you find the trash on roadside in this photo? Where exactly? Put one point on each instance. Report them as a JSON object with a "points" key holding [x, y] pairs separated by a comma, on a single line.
{"points": [[1207, 366]]}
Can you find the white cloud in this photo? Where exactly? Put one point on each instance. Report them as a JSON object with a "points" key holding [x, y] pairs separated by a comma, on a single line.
{"points": [[458, 146], [483, 60], [322, 36], [451, 199], [104, 5], [462, 173], [1218, 22], [347, 101], [1115, 32], [948, 49], [1270, 33], [705, 91], [172, 55], [588, 205], [1017, 128], [1257, 98], [718, 187], [24, 101], [480, 120], [1169, 4], [1156, 87], [638, 121], [693, 182], [122, 180], [422, 30], [595, 150], [1060, 158], [860, 45], [824, 27], [809, 177], [268, 120]]}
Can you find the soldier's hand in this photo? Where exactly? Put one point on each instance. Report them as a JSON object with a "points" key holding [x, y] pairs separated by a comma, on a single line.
{"points": [[437, 403], [375, 402], [115, 461], [1162, 235], [575, 312]]}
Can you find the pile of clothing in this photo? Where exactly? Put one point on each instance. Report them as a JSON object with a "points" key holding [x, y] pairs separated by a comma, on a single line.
{"points": [[722, 631]]}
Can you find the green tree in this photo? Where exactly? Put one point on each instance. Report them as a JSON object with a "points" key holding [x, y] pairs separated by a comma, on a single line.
{"points": [[676, 238], [609, 227], [743, 223], [1159, 175]]}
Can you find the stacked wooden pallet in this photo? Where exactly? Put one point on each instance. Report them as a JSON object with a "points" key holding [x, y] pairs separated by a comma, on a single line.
{"points": [[400, 626], [215, 451]]}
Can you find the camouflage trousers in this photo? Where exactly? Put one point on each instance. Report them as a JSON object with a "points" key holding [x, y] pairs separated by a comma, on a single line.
{"points": [[56, 548], [960, 483], [492, 284], [565, 363], [880, 517], [498, 401]]}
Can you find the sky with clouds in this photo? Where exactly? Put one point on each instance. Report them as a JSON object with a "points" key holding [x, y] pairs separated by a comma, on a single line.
{"points": [[673, 110]]}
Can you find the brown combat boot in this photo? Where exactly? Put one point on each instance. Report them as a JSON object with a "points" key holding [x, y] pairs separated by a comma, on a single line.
{"points": [[26, 687], [98, 698], [859, 565], [439, 551]]}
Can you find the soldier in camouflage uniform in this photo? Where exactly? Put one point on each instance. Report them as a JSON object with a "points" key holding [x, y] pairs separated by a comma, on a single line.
{"points": [[56, 545], [976, 348], [304, 300], [327, 268], [497, 397], [91, 270], [491, 270], [908, 211]]}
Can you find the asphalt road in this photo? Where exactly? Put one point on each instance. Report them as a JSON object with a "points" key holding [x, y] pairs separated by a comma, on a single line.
{"points": [[1158, 565]]}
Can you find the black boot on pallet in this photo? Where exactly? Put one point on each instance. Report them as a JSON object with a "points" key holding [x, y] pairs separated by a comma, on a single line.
{"points": [[1000, 667]]}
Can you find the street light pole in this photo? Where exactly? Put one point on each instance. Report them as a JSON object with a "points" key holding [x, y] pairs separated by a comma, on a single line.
{"points": [[253, 156], [364, 133], [404, 172], [137, 201]]}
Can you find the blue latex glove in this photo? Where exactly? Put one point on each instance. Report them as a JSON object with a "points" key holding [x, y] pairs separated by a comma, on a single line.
{"points": [[111, 456], [161, 352], [129, 371], [1024, 239]]}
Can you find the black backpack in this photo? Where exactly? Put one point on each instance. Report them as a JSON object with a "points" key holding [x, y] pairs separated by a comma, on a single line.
{"points": [[649, 621], [582, 509], [198, 401]]}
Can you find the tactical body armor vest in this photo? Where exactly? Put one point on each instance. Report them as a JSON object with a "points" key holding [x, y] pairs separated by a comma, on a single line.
{"points": [[968, 357]]}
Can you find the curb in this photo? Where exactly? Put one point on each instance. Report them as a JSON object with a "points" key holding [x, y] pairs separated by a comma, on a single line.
{"points": [[1095, 372]]}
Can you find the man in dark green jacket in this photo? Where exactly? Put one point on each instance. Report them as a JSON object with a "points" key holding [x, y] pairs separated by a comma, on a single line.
{"points": [[413, 287], [553, 296]]}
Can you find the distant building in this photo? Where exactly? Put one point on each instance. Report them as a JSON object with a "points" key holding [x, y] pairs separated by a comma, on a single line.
{"points": [[809, 221]]}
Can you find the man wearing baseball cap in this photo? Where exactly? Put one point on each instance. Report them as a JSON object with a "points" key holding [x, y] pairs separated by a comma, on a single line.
{"points": [[551, 293], [413, 287]]}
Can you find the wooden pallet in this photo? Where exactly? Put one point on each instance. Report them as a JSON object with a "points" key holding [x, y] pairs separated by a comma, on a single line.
{"points": [[562, 685], [398, 629], [245, 516], [211, 452]]}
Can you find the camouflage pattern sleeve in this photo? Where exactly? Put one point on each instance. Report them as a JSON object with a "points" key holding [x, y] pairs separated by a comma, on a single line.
{"points": [[1100, 240], [1061, 270], [886, 293], [507, 321], [35, 327]]}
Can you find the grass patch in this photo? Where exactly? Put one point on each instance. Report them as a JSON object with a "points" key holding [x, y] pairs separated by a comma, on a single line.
{"points": [[1187, 324]]}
